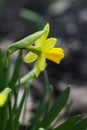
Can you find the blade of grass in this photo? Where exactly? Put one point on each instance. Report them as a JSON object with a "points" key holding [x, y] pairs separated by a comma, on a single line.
{"points": [[4, 119], [32, 16], [1, 70], [24, 79], [5, 78], [55, 109], [69, 123], [19, 108], [16, 69], [10, 124], [15, 94], [49, 91], [38, 116], [81, 125], [41, 108]]}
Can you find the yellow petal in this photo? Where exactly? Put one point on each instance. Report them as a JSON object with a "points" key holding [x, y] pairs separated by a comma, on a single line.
{"points": [[3, 99], [42, 39], [30, 57], [47, 29], [40, 64], [50, 43], [37, 72], [40, 42], [55, 55]]}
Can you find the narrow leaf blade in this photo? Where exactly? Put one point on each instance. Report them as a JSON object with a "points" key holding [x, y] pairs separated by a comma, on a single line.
{"points": [[81, 125], [68, 123], [16, 69], [55, 109], [1, 71]]}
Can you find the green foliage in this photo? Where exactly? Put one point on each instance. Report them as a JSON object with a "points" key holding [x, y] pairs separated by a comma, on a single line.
{"points": [[47, 116], [1, 70], [38, 19], [81, 125], [33, 16], [55, 109], [16, 69], [68, 123]]}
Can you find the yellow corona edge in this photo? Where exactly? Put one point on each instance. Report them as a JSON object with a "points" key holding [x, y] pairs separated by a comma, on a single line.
{"points": [[47, 51]]}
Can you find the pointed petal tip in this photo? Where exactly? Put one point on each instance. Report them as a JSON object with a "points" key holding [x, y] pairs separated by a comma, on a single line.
{"points": [[47, 28]]}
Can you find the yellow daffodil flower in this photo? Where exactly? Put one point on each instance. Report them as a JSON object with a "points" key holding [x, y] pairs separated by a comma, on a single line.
{"points": [[4, 96], [3, 99], [47, 51]]}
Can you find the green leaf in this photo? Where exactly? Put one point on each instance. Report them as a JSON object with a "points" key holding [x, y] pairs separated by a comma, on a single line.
{"points": [[16, 92], [43, 105], [81, 125], [49, 88], [55, 109], [16, 69], [3, 117], [29, 75], [10, 124], [38, 115], [17, 125], [1, 70], [68, 124], [32, 16], [18, 110]]}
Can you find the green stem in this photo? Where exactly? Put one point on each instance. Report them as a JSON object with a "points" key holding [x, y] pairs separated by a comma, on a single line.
{"points": [[4, 117], [34, 49], [26, 77], [26, 42], [5, 78], [6, 59], [1, 71], [5, 69], [11, 117]]}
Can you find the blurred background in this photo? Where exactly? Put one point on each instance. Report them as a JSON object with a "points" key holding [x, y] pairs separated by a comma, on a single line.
{"points": [[68, 21]]}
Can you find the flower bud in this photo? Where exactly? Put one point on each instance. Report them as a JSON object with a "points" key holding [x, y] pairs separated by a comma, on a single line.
{"points": [[4, 96]]}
